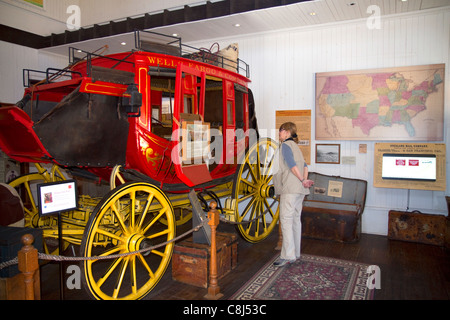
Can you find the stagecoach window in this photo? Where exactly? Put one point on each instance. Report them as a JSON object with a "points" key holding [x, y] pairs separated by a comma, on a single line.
{"points": [[230, 112], [239, 109], [155, 114], [214, 103], [167, 108], [187, 105]]}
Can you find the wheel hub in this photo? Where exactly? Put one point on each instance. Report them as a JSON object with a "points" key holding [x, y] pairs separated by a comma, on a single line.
{"points": [[134, 242], [138, 242], [266, 191]]}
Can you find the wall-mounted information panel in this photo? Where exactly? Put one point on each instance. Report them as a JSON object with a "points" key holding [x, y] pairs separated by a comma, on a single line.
{"points": [[418, 166]]}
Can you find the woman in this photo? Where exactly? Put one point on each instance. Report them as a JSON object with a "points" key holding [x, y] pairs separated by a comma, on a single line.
{"points": [[291, 184]]}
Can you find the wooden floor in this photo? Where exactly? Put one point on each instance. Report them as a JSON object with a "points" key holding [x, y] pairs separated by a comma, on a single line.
{"points": [[409, 271]]}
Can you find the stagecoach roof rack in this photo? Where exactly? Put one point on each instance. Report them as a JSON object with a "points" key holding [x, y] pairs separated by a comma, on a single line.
{"points": [[32, 77], [151, 41], [76, 55], [148, 41]]}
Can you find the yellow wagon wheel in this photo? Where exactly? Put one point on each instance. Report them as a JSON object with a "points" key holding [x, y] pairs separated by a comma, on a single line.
{"points": [[256, 208], [26, 186], [128, 219]]}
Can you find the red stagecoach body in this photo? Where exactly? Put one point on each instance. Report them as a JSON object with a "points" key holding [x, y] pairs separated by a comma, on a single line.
{"points": [[128, 109]]}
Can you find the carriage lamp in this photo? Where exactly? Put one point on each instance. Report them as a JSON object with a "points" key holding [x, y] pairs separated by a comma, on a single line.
{"points": [[132, 101]]}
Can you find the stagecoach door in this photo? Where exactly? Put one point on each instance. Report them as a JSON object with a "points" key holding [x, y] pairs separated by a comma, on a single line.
{"points": [[193, 134]]}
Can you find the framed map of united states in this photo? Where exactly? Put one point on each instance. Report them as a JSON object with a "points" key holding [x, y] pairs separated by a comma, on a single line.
{"points": [[404, 103]]}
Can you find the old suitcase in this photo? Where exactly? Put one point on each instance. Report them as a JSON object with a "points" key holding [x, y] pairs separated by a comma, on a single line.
{"points": [[333, 209], [417, 227], [191, 261]]}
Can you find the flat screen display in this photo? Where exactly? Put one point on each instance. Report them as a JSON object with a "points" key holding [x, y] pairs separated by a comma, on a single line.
{"points": [[409, 167]]}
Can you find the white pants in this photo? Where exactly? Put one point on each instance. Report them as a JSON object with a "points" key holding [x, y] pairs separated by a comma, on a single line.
{"points": [[291, 225]]}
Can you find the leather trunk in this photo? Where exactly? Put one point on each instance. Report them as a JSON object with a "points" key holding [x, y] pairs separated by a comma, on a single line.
{"points": [[333, 209], [191, 261]]}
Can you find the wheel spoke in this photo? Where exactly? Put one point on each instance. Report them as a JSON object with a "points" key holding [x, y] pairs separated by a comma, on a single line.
{"points": [[146, 266], [133, 208], [250, 169], [108, 253], [258, 162], [250, 195], [109, 234], [108, 272], [252, 215], [247, 208], [119, 217], [249, 183], [269, 167], [147, 206], [269, 208], [120, 278], [161, 212], [159, 234], [159, 253], [30, 197], [133, 274]]}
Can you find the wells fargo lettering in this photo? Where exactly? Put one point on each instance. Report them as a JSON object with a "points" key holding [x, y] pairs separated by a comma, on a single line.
{"points": [[173, 63]]}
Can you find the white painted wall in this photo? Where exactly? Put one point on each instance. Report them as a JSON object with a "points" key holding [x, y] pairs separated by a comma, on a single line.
{"points": [[283, 65], [13, 59]]}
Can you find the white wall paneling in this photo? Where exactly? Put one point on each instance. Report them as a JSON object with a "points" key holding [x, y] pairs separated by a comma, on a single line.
{"points": [[13, 59]]}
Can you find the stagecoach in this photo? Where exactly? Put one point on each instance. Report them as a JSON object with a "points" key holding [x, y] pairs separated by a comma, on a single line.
{"points": [[155, 123]]}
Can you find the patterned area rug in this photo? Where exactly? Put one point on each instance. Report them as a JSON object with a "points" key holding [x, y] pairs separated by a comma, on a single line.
{"points": [[309, 278]]}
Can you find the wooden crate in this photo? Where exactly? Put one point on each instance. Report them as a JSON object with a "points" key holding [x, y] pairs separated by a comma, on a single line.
{"points": [[190, 261], [417, 227]]}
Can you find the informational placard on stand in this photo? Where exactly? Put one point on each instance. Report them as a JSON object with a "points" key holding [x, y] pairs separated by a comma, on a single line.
{"points": [[57, 197], [419, 166]]}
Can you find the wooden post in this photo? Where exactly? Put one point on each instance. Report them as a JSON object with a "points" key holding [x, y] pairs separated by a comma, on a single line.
{"points": [[213, 288], [28, 264]]}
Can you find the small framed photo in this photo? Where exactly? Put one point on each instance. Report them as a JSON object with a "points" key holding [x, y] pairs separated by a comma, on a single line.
{"points": [[328, 153]]}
